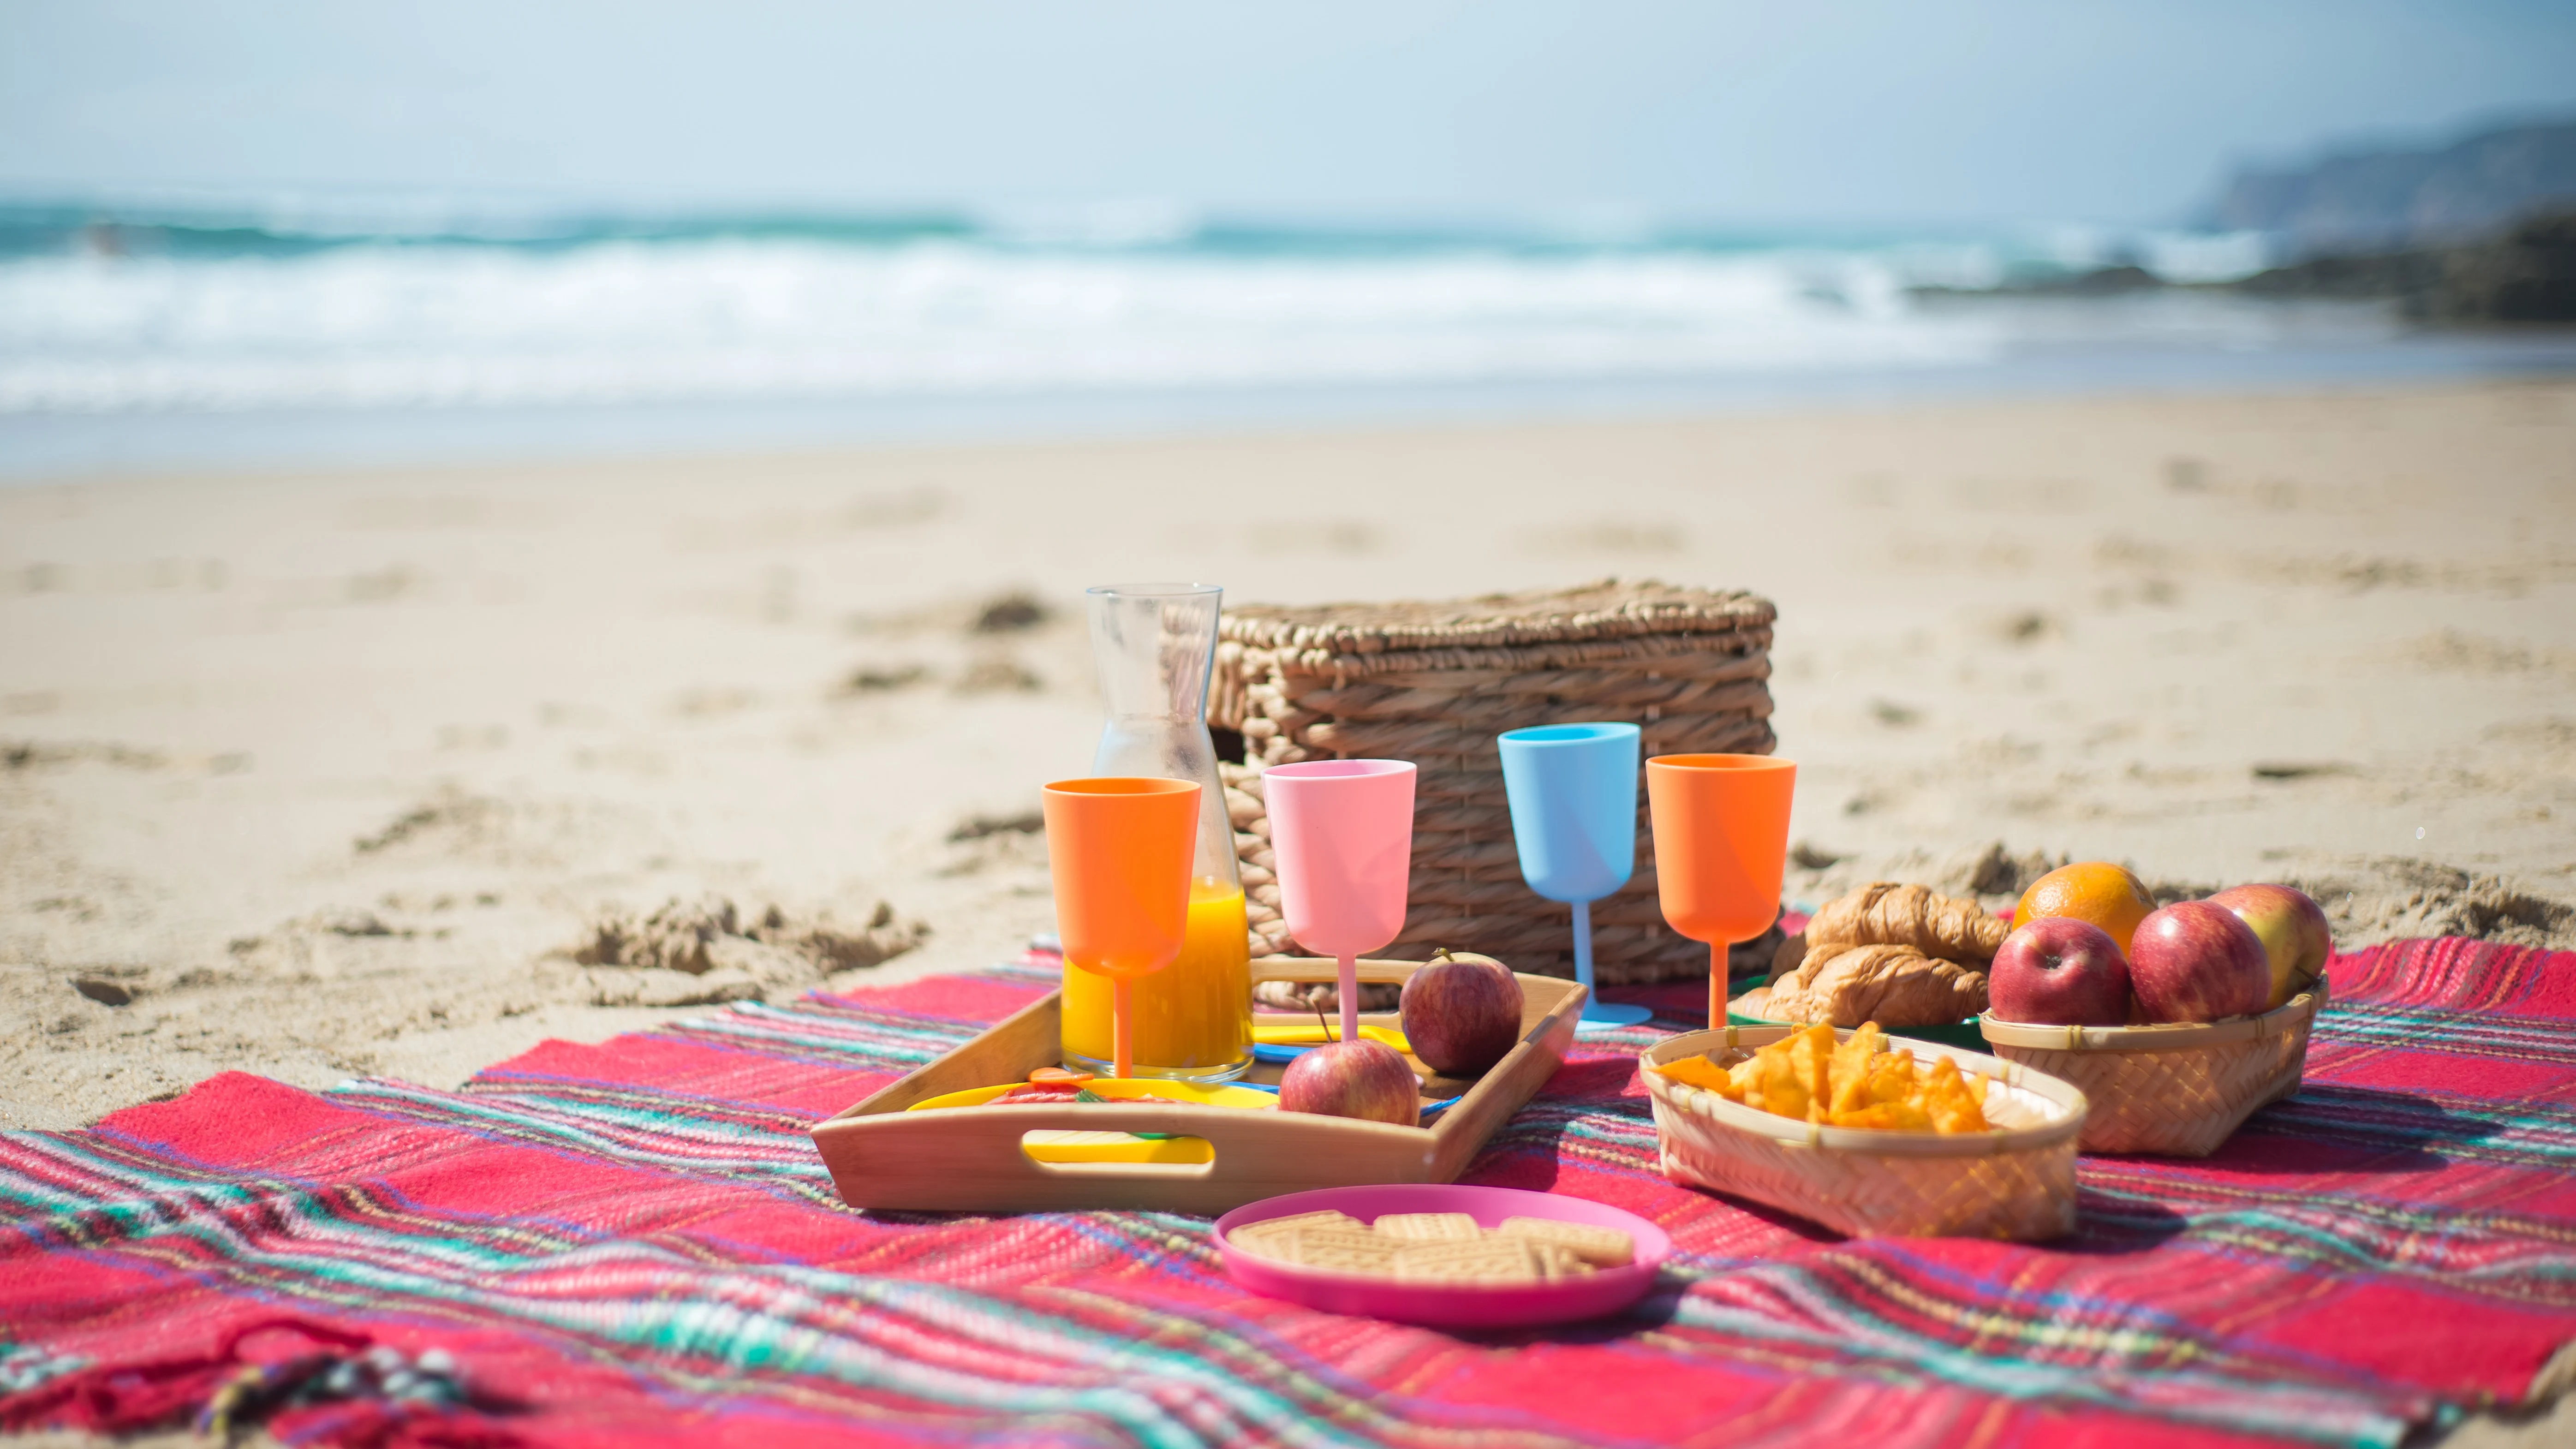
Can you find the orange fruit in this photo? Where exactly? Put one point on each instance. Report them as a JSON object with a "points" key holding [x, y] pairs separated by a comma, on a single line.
{"points": [[2109, 896]]}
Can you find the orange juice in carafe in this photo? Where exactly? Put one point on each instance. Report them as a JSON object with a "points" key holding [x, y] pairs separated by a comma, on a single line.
{"points": [[1193, 1018], [1154, 646]]}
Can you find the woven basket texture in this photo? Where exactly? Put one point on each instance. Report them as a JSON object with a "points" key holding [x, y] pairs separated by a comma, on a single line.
{"points": [[2179, 1100], [2018, 1185], [1434, 683]]}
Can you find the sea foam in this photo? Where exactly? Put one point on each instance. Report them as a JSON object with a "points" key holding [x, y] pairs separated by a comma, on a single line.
{"points": [[127, 317]]}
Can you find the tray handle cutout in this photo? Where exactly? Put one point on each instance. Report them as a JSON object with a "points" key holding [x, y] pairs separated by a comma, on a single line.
{"points": [[1175, 1157], [976, 1155]]}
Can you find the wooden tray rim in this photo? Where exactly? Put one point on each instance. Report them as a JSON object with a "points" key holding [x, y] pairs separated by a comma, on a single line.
{"points": [[1460, 1132]]}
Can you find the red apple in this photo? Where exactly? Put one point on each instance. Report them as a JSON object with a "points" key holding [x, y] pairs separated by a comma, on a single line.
{"points": [[1364, 1079], [1461, 1012], [2194, 961], [2061, 972], [2294, 933]]}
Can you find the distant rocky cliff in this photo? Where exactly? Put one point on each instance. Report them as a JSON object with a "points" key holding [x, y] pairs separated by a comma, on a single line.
{"points": [[2527, 274], [2383, 200]]}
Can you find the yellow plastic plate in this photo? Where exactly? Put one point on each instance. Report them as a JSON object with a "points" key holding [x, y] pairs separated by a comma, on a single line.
{"points": [[1311, 1033]]}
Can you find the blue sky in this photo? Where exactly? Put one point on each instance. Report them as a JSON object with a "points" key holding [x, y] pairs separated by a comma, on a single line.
{"points": [[1759, 114]]}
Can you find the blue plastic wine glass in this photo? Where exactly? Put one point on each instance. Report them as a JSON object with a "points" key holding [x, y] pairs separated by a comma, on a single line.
{"points": [[1573, 793]]}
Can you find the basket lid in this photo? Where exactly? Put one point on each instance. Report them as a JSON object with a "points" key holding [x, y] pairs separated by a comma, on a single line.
{"points": [[1604, 609]]}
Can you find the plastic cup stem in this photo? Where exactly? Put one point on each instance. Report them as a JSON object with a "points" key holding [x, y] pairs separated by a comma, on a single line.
{"points": [[1583, 951], [1122, 1029], [1350, 983]]}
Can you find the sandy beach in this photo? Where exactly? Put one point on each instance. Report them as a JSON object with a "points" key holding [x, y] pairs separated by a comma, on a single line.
{"points": [[323, 776]]}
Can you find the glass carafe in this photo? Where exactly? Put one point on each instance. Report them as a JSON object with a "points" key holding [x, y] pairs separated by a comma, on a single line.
{"points": [[1154, 646]]}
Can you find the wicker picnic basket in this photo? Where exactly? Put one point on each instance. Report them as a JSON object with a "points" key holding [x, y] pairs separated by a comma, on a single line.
{"points": [[1434, 683], [2176, 1090], [2014, 1183]]}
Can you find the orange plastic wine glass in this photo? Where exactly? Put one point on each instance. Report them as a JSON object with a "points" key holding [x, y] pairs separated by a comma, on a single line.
{"points": [[1120, 852], [1721, 843]]}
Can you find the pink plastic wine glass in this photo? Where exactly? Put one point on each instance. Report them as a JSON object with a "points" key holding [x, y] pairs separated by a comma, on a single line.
{"points": [[1341, 832]]}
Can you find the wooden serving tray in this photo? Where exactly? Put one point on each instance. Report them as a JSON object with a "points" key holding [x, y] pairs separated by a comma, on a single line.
{"points": [[969, 1159]]}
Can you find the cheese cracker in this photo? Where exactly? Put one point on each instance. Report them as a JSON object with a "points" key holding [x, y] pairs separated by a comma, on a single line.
{"points": [[1555, 1262], [1325, 1219], [1602, 1247], [1427, 1227], [1250, 1236], [1337, 1250], [1475, 1261]]}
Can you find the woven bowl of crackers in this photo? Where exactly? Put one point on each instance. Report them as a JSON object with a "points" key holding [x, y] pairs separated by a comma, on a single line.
{"points": [[1444, 1256], [1869, 1135]]}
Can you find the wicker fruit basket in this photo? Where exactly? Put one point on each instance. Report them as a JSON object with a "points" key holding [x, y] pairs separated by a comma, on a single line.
{"points": [[2015, 1183], [2180, 1090], [1434, 683]]}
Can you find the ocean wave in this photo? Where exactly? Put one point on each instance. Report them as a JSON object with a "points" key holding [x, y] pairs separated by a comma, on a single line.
{"points": [[734, 318], [190, 304]]}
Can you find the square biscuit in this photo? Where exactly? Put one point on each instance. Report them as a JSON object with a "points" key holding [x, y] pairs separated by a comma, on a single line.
{"points": [[1601, 1247], [1427, 1227], [1467, 1263], [1325, 1219], [1253, 1240], [1336, 1250], [1250, 1236], [1555, 1262]]}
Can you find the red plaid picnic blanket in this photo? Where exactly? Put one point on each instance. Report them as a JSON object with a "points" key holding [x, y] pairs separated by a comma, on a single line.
{"points": [[634, 1242]]}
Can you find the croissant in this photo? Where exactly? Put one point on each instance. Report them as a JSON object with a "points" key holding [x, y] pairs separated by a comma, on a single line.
{"points": [[1895, 986], [1883, 913]]}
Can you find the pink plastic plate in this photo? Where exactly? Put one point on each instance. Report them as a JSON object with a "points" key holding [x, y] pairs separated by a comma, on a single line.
{"points": [[1517, 1306]]}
